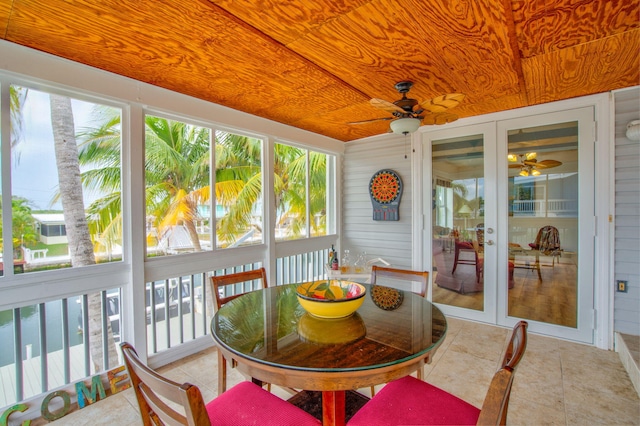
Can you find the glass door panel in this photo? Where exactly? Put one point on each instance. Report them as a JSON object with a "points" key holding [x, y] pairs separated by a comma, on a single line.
{"points": [[543, 223], [458, 221], [546, 201]]}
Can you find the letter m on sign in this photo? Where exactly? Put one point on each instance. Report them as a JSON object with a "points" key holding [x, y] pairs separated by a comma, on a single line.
{"points": [[84, 397]]}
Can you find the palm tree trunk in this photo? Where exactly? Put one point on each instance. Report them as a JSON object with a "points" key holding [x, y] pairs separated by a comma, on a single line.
{"points": [[193, 234], [80, 245]]}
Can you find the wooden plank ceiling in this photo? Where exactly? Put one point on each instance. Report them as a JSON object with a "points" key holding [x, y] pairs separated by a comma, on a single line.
{"points": [[315, 64]]}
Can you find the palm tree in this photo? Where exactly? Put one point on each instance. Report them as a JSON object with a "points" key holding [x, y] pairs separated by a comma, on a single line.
{"points": [[71, 196], [17, 97], [238, 184], [177, 174], [177, 178], [24, 231], [290, 189]]}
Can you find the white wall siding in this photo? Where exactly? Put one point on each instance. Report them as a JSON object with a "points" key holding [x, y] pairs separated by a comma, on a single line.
{"points": [[390, 240], [627, 216]]}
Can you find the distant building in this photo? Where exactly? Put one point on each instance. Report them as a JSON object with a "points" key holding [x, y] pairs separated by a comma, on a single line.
{"points": [[50, 228]]}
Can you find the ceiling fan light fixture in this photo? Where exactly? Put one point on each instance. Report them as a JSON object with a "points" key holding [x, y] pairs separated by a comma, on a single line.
{"points": [[512, 158], [524, 172], [404, 126], [535, 172], [530, 156]]}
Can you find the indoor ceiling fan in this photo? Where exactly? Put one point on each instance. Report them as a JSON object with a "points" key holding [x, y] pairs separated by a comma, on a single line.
{"points": [[407, 113], [529, 164]]}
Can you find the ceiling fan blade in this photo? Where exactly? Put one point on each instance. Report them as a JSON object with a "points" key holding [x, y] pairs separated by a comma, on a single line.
{"points": [[372, 120], [440, 118], [515, 166], [442, 103], [385, 105], [547, 164]]}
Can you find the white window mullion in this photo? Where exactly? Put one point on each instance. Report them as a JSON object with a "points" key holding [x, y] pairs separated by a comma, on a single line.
{"points": [[133, 187], [5, 109]]}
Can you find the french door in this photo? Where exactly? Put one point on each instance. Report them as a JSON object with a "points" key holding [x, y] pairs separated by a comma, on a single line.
{"points": [[511, 213]]}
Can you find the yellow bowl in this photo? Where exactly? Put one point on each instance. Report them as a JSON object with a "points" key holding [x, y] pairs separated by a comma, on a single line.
{"points": [[331, 298], [331, 331]]}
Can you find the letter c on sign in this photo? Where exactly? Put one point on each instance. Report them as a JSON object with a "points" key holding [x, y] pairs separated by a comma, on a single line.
{"points": [[4, 419]]}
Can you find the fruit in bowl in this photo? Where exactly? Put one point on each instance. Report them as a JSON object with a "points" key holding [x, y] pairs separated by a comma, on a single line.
{"points": [[331, 298]]}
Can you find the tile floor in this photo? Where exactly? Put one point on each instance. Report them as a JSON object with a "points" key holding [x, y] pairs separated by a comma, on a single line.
{"points": [[557, 382]]}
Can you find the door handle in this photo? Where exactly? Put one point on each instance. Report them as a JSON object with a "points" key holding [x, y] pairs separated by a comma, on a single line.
{"points": [[489, 242], [489, 230]]}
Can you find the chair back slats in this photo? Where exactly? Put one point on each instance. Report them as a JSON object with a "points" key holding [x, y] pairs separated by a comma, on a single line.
{"points": [[517, 345], [397, 278], [220, 281], [155, 394], [160, 411]]}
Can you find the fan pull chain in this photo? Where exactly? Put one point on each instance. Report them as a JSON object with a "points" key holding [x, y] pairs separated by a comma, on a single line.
{"points": [[405, 145]]}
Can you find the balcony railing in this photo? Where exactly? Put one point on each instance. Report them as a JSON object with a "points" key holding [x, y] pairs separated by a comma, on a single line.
{"points": [[546, 208], [186, 318], [45, 346]]}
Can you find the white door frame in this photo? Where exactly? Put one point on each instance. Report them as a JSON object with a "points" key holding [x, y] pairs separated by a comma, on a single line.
{"points": [[603, 187], [586, 217], [488, 132]]}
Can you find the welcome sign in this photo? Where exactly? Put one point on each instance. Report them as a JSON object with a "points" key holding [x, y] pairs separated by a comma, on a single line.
{"points": [[49, 407]]}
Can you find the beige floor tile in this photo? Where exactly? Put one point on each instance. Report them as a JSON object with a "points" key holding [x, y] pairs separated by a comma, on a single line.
{"points": [[557, 382], [525, 410], [464, 375], [114, 410], [481, 341]]}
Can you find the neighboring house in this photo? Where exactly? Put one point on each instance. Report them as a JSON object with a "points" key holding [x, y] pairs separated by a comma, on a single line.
{"points": [[50, 228]]}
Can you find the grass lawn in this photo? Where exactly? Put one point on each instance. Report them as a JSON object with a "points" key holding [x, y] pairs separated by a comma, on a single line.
{"points": [[54, 249]]}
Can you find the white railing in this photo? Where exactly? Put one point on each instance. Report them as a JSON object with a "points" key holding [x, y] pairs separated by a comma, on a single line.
{"points": [[186, 318], [546, 208], [45, 345]]}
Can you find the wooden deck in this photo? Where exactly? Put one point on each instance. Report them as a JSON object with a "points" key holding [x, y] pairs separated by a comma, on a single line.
{"points": [[32, 381]]}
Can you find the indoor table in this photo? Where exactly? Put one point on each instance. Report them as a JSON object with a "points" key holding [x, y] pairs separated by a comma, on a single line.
{"points": [[274, 340]]}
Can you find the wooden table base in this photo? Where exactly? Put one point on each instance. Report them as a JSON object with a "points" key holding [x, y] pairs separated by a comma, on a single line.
{"points": [[313, 401]]}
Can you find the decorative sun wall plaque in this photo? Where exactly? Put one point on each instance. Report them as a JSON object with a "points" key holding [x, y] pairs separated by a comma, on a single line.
{"points": [[385, 190]]}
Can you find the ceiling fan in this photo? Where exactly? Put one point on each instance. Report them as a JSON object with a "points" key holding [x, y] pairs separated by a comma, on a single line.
{"points": [[408, 114], [529, 164]]}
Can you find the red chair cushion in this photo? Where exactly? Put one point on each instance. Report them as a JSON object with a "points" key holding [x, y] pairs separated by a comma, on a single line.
{"points": [[248, 404], [409, 401]]}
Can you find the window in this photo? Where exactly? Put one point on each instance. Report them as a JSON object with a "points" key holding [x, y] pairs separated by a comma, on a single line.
{"points": [[179, 197], [304, 190], [54, 181], [239, 192], [177, 179]]}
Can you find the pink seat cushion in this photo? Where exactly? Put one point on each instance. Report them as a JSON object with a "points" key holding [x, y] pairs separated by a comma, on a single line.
{"points": [[248, 404], [409, 401]]}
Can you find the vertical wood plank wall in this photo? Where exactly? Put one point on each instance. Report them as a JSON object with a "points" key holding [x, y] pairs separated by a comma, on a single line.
{"points": [[390, 240], [627, 217]]}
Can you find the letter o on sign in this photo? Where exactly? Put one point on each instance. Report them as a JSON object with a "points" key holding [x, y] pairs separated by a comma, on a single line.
{"points": [[44, 409]]}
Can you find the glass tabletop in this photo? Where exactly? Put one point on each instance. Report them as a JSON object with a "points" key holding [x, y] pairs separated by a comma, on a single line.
{"points": [[269, 326]]}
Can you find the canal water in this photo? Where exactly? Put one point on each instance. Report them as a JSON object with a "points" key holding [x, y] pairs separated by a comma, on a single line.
{"points": [[30, 329]]}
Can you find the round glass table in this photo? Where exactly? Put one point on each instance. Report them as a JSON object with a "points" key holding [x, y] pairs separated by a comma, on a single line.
{"points": [[273, 339]]}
